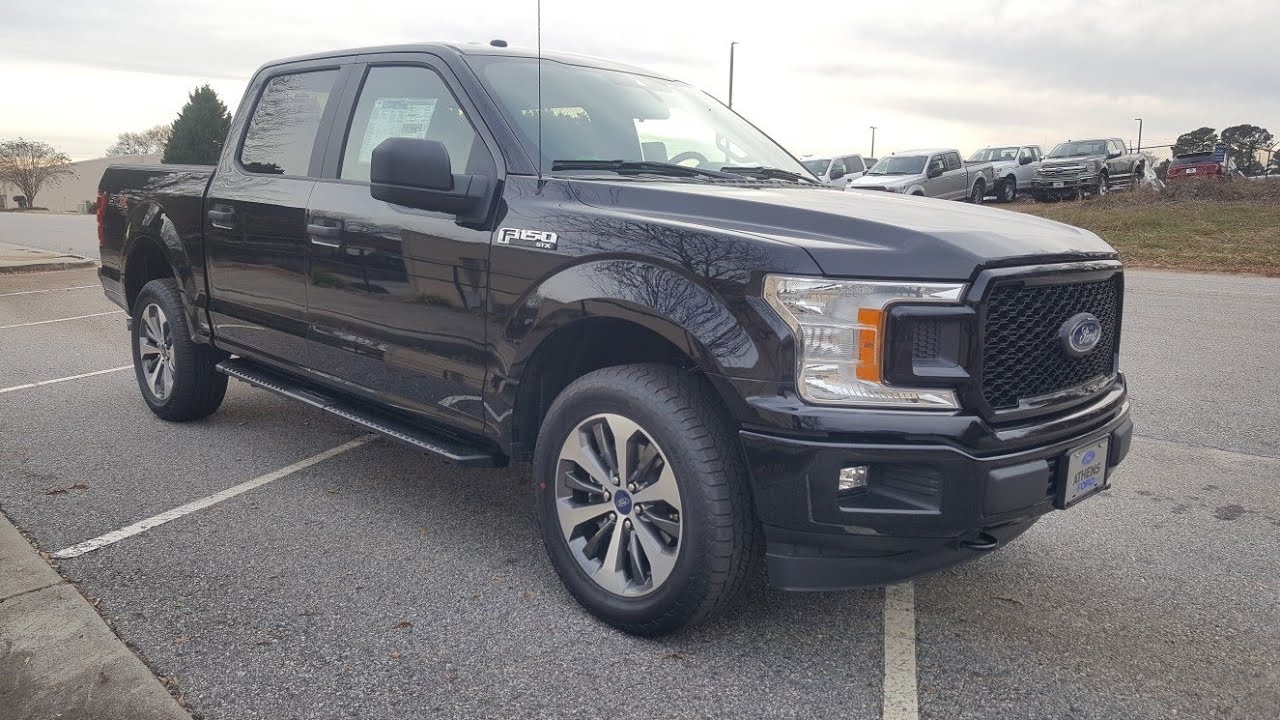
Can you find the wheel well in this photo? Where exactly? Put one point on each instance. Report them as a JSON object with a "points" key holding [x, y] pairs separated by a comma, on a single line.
{"points": [[146, 262], [573, 351]]}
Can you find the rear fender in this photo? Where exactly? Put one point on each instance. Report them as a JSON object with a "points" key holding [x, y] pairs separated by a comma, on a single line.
{"points": [[149, 223]]}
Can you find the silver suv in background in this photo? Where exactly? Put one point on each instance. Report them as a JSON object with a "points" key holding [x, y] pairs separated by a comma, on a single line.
{"points": [[1013, 167], [840, 170], [937, 173]]}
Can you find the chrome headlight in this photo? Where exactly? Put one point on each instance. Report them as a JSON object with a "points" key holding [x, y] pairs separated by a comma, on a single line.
{"points": [[839, 326]]}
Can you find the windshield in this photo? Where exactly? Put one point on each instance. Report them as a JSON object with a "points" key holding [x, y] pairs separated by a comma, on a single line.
{"points": [[595, 114], [1078, 149], [995, 154], [817, 167], [900, 165]]}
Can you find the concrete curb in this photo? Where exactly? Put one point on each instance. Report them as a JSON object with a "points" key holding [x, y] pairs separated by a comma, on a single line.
{"points": [[22, 259], [58, 658]]}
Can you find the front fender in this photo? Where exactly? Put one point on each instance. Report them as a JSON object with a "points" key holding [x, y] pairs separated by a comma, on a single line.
{"points": [[148, 223], [682, 310]]}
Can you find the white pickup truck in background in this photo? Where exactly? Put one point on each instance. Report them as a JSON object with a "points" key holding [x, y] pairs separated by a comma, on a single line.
{"points": [[838, 170], [1013, 167], [937, 173]]}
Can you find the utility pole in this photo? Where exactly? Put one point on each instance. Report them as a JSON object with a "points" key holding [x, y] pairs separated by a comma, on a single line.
{"points": [[873, 140], [731, 46], [1139, 134]]}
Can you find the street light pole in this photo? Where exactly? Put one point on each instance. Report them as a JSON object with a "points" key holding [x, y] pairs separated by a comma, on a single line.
{"points": [[1139, 134], [873, 140], [731, 46]]}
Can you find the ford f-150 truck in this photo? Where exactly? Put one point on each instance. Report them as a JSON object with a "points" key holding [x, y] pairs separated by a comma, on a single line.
{"points": [[929, 173], [1013, 167], [1080, 167], [706, 355]]}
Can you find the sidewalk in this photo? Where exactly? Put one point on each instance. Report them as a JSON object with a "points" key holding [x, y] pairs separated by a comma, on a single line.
{"points": [[16, 258], [58, 659]]}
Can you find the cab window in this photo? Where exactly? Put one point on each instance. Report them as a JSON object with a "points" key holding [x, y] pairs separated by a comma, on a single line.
{"points": [[413, 102], [953, 160], [282, 130]]}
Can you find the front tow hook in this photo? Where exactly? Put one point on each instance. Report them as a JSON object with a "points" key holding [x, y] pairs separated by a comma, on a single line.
{"points": [[982, 541]]}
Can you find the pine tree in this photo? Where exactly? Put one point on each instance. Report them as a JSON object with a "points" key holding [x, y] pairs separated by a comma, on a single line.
{"points": [[200, 129]]}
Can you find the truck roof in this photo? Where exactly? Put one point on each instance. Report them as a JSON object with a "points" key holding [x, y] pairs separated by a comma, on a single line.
{"points": [[474, 48], [925, 151]]}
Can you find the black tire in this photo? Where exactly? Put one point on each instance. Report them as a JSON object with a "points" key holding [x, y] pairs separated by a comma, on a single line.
{"points": [[718, 540], [196, 388], [978, 192], [1103, 186], [1007, 190]]}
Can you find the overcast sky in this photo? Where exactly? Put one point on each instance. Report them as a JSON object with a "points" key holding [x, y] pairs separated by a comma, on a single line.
{"points": [[813, 75]]}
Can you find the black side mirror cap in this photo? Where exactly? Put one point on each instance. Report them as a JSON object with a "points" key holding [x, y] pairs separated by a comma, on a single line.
{"points": [[1024, 160], [1113, 156], [934, 172], [417, 173]]}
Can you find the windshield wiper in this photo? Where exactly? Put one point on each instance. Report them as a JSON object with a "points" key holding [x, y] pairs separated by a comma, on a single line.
{"points": [[768, 172], [638, 166]]}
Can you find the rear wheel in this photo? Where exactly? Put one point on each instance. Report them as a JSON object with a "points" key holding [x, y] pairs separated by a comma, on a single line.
{"points": [[177, 376], [642, 498], [1007, 190], [978, 193]]}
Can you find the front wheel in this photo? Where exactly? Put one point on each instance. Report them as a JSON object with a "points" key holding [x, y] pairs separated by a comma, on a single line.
{"points": [[642, 498], [1104, 184], [177, 376]]}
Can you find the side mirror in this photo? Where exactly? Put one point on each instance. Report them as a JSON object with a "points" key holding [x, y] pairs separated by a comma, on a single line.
{"points": [[934, 171], [1113, 155], [836, 174], [417, 173], [1025, 160]]}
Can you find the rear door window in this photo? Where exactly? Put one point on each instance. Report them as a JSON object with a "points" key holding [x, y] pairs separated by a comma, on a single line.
{"points": [[414, 102], [853, 164], [952, 160], [282, 132]]}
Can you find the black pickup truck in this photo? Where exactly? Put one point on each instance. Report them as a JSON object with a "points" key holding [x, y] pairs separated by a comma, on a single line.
{"points": [[705, 354]]}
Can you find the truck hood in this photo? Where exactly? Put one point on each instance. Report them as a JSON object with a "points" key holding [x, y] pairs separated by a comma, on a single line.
{"points": [[885, 180], [855, 234], [1078, 160]]}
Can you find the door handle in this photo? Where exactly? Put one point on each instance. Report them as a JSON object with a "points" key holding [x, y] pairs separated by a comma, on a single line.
{"points": [[222, 217], [325, 232]]}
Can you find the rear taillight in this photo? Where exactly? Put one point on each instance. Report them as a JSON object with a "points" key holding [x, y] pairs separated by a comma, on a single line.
{"points": [[102, 213]]}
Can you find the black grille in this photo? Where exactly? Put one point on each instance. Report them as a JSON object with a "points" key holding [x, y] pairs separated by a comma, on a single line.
{"points": [[926, 340], [1022, 356]]}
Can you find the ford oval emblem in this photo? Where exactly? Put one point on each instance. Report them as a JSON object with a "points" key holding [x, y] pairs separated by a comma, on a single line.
{"points": [[622, 501], [1081, 334]]}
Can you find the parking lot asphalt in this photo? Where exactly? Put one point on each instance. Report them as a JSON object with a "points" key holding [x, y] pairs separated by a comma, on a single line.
{"points": [[380, 583]]}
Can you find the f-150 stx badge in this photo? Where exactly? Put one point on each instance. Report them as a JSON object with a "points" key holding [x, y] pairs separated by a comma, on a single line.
{"points": [[541, 239]]}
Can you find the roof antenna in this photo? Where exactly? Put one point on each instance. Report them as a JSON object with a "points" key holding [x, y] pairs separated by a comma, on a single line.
{"points": [[539, 90]]}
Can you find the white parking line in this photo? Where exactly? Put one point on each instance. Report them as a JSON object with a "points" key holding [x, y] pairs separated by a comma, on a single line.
{"points": [[64, 379], [901, 701], [46, 322], [141, 526], [34, 292]]}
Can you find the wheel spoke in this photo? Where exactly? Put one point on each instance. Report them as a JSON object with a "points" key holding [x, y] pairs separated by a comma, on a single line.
{"points": [[572, 514], [573, 482], [147, 349], [623, 430], [661, 560], [153, 379], [607, 449], [663, 523], [578, 452], [592, 548], [152, 318], [633, 556], [610, 574], [664, 489], [648, 457]]}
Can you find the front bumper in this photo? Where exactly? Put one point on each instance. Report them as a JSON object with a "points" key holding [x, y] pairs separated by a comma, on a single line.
{"points": [[935, 498], [1069, 184]]}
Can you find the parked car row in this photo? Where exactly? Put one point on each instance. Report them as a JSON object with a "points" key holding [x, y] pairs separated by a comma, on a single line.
{"points": [[1073, 168]]}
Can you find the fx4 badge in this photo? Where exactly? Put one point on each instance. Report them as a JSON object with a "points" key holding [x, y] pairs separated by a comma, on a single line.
{"points": [[540, 239]]}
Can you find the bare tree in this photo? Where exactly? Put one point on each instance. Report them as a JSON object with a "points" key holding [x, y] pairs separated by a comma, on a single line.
{"points": [[30, 165], [147, 142]]}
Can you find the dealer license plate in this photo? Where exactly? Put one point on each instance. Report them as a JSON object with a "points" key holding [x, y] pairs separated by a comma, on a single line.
{"points": [[1057, 184], [1191, 171], [1085, 472]]}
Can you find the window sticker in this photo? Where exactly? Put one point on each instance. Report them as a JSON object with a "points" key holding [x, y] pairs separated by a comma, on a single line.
{"points": [[396, 117]]}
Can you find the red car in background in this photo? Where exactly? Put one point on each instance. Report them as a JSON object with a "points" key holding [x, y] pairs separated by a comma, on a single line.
{"points": [[1199, 165]]}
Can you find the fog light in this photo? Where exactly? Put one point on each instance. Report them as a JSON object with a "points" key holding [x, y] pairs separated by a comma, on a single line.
{"points": [[852, 478]]}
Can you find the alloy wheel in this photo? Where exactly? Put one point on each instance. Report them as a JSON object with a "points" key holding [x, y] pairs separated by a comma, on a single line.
{"points": [[618, 505], [155, 349]]}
